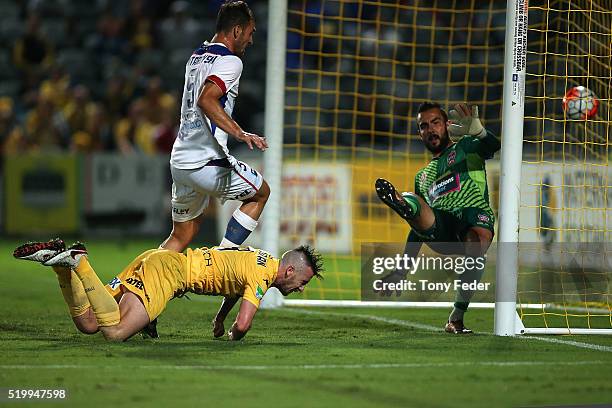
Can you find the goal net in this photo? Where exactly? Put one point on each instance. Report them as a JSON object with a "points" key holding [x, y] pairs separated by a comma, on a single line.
{"points": [[566, 195], [356, 73]]}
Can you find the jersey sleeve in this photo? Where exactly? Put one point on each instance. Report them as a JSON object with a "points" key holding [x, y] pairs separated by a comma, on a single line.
{"points": [[484, 147], [226, 72], [260, 276], [253, 292]]}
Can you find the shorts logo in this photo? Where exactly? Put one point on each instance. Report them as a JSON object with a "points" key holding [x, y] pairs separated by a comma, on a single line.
{"points": [[114, 283], [451, 157], [135, 282], [259, 293], [483, 218], [243, 194], [180, 211]]}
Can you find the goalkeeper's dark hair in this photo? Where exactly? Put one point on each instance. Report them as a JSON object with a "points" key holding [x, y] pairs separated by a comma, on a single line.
{"points": [[425, 106], [233, 13], [307, 256]]}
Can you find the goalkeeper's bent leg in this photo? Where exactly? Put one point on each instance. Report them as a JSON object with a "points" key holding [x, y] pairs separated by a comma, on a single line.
{"points": [[477, 243], [463, 297]]}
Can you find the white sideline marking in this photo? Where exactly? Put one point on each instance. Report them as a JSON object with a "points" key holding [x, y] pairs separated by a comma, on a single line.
{"points": [[589, 346], [396, 322], [302, 366], [428, 327]]}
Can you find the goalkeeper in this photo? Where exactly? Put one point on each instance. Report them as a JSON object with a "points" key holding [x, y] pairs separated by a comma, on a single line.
{"points": [[450, 202], [142, 290]]}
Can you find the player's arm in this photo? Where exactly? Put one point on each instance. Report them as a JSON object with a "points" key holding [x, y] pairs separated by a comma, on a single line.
{"points": [[465, 121], [226, 306], [208, 102], [243, 321]]}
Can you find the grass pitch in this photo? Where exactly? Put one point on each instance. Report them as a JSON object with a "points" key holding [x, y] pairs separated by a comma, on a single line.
{"points": [[291, 357]]}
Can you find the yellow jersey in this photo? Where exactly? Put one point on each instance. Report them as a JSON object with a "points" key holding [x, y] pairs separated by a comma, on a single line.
{"points": [[233, 272]]}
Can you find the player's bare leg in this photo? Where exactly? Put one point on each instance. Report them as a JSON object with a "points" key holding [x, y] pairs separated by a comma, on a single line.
{"points": [[107, 312], [182, 234], [133, 318], [253, 207]]}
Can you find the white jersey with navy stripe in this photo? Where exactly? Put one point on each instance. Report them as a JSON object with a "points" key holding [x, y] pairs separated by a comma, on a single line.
{"points": [[199, 140]]}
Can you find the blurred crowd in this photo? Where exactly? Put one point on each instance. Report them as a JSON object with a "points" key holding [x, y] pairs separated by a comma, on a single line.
{"points": [[102, 76]]}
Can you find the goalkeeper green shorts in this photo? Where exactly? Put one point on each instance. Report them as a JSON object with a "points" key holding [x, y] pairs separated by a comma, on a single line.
{"points": [[451, 226]]}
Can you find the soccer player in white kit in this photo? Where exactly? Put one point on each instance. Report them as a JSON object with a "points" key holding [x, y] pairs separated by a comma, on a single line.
{"points": [[200, 163]]}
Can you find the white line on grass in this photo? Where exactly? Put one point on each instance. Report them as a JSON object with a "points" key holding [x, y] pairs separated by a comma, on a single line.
{"points": [[589, 346], [428, 327], [260, 367]]}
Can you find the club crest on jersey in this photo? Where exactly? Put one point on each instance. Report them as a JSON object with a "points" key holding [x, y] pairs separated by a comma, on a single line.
{"points": [[422, 178], [114, 283], [451, 157]]}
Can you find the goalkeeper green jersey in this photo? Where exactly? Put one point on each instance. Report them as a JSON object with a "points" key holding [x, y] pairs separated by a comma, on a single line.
{"points": [[457, 179]]}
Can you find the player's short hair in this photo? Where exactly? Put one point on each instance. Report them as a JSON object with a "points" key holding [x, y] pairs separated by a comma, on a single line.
{"points": [[310, 258], [233, 13], [425, 106]]}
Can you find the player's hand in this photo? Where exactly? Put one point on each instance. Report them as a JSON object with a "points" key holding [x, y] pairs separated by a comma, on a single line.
{"points": [[252, 139], [465, 121], [218, 328]]}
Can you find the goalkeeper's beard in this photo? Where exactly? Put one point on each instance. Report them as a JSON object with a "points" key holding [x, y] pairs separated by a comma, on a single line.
{"points": [[444, 141]]}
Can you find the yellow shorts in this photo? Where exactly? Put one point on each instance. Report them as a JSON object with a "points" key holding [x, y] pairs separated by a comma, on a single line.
{"points": [[155, 276]]}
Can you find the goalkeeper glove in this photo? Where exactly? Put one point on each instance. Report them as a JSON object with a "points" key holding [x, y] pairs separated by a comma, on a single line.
{"points": [[465, 122]]}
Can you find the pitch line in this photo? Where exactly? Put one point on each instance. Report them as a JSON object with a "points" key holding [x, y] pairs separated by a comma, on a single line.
{"points": [[406, 323], [258, 367]]}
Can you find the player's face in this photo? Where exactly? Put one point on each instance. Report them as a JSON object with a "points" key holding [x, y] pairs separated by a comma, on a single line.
{"points": [[433, 131], [294, 281], [244, 39]]}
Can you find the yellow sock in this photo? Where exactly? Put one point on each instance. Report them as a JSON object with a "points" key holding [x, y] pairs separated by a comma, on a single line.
{"points": [[103, 304], [73, 291]]}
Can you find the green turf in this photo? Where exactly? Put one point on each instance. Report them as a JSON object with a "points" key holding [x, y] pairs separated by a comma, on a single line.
{"points": [[321, 357]]}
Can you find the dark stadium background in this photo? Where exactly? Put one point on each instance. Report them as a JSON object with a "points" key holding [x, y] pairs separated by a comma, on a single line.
{"points": [[105, 76]]}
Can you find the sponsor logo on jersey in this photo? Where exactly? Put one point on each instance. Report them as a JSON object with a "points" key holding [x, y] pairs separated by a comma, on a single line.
{"points": [[451, 157], [196, 124], [135, 283], [484, 218], [444, 185], [114, 283], [259, 293]]}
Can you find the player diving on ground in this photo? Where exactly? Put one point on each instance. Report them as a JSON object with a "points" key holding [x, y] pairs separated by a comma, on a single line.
{"points": [[142, 290]]}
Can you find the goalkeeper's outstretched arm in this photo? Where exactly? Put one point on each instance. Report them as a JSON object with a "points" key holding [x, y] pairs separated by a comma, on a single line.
{"points": [[466, 121]]}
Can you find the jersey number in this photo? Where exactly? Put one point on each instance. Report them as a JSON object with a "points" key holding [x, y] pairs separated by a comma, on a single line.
{"points": [[191, 88]]}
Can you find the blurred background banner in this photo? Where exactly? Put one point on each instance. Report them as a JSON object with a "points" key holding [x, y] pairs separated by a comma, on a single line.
{"points": [[126, 195], [42, 193]]}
